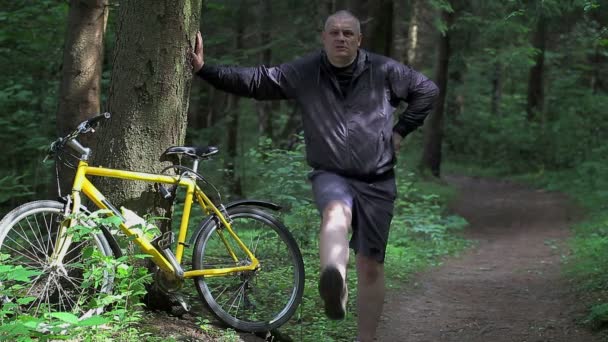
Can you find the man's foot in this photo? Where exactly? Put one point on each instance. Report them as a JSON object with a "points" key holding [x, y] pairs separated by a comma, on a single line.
{"points": [[332, 289]]}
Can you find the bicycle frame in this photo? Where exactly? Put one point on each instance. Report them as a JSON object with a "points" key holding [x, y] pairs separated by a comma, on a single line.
{"points": [[193, 192]]}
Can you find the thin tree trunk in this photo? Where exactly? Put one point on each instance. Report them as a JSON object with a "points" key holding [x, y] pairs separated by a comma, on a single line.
{"points": [[196, 119], [433, 128], [400, 26], [596, 62], [232, 117], [496, 88], [535, 79], [413, 31], [148, 97], [264, 108], [79, 92], [378, 36], [291, 128]]}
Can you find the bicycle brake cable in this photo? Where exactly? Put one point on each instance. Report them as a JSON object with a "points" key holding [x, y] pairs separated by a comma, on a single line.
{"points": [[197, 175], [57, 178]]}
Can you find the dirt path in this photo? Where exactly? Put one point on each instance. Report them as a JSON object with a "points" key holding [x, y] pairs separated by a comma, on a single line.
{"points": [[508, 288]]}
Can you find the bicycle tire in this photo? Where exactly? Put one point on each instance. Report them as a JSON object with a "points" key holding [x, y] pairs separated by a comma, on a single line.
{"points": [[26, 235], [281, 272]]}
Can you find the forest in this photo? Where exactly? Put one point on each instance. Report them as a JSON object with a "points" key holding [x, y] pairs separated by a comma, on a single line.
{"points": [[523, 97]]}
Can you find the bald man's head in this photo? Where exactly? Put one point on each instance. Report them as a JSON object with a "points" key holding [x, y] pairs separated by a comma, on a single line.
{"points": [[341, 38], [343, 15]]}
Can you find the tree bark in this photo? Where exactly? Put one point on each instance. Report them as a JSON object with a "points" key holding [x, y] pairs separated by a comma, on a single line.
{"points": [[264, 108], [232, 117], [413, 34], [496, 89], [291, 128], [421, 45], [378, 35], [79, 91], [596, 81], [148, 98], [400, 30], [535, 78], [433, 128]]}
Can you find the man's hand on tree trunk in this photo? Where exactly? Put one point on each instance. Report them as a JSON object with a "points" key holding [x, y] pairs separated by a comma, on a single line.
{"points": [[197, 55]]}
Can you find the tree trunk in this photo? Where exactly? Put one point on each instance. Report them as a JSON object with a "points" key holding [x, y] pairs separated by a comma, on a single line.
{"points": [[421, 46], [196, 108], [400, 26], [79, 91], [232, 117], [535, 79], [148, 96], [433, 128], [596, 63], [232, 128], [264, 108], [413, 32], [496, 88], [378, 36], [291, 128]]}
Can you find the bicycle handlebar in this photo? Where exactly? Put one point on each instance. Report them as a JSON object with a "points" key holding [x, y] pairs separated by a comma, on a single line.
{"points": [[84, 127], [90, 124]]}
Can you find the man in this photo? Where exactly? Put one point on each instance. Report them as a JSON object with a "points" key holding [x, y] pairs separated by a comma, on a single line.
{"points": [[347, 96]]}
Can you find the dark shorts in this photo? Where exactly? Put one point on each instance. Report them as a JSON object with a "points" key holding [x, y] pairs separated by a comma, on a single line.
{"points": [[371, 202]]}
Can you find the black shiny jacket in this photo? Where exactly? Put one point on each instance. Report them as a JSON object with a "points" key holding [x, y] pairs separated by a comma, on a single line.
{"points": [[349, 135]]}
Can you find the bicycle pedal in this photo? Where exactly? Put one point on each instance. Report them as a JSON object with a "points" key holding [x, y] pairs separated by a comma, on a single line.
{"points": [[179, 306], [183, 303]]}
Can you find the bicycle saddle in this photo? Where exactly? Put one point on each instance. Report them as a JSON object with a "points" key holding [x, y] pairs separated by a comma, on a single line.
{"points": [[196, 152]]}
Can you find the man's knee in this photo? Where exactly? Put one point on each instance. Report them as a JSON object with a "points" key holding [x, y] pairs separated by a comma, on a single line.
{"points": [[369, 270], [337, 213]]}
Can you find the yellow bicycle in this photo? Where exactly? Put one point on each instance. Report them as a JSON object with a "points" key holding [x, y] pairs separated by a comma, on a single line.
{"points": [[246, 265]]}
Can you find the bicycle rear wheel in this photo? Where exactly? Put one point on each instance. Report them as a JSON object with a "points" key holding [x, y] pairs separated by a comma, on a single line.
{"points": [[27, 236], [252, 301]]}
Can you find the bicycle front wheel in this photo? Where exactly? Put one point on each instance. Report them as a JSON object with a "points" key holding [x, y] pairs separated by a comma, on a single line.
{"points": [[27, 239], [252, 301]]}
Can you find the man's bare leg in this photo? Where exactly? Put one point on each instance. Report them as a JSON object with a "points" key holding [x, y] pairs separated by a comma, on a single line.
{"points": [[370, 296], [333, 244], [333, 251]]}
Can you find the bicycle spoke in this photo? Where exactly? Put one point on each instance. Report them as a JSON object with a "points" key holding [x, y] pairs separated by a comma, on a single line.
{"points": [[58, 293], [239, 295], [77, 254], [256, 245], [33, 282], [41, 297], [33, 232], [41, 241], [68, 296], [24, 238], [48, 230], [27, 254]]}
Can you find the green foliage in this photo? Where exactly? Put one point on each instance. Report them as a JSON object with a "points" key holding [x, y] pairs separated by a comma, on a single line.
{"points": [[422, 231], [598, 314], [29, 67], [588, 264], [120, 319], [282, 179]]}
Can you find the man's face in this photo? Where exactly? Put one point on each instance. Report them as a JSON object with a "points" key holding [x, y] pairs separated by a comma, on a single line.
{"points": [[341, 39]]}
